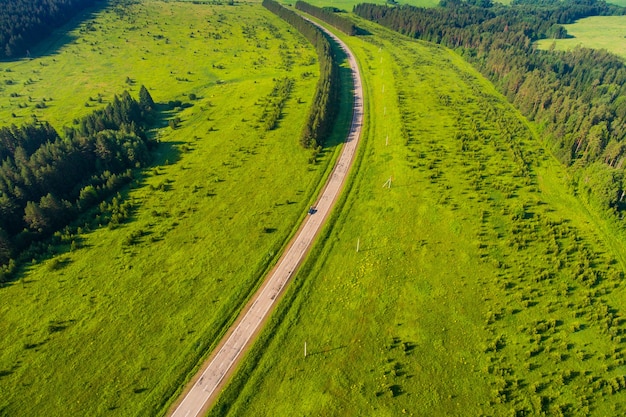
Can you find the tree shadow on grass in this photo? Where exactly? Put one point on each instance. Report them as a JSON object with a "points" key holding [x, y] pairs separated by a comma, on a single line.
{"points": [[5, 372], [343, 120], [323, 351], [165, 112], [396, 390], [56, 326], [34, 346], [362, 32]]}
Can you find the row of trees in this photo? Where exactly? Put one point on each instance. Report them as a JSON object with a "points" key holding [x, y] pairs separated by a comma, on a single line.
{"points": [[45, 180], [23, 23], [275, 103], [325, 101], [577, 98], [328, 16]]}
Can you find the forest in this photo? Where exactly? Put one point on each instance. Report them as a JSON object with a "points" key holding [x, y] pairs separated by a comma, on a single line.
{"points": [[328, 16], [325, 101], [46, 180], [576, 98], [23, 23]]}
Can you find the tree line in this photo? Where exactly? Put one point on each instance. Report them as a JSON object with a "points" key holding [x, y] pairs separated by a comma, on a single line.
{"points": [[275, 103], [577, 98], [23, 23], [328, 16], [46, 180], [325, 100]]}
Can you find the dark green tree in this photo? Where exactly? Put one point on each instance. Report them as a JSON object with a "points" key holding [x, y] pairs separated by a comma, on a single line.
{"points": [[34, 217], [145, 99], [46, 181], [5, 247]]}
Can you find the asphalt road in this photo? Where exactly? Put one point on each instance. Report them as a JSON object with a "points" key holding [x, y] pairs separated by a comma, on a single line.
{"points": [[197, 397]]}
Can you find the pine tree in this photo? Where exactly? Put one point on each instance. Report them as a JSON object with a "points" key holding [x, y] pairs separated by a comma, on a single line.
{"points": [[145, 99], [5, 247]]}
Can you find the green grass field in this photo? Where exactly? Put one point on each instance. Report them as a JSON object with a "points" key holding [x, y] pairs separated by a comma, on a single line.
{"points": [[597, 32], [117, 326], [480, 285]]}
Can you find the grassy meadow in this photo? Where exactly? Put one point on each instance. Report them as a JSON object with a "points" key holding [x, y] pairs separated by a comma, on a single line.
{"points": [[475, 285], [118, 321], [597, 32]]}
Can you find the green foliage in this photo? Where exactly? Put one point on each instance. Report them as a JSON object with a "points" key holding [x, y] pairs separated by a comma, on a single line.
{"points": [[322, 112], [175, 290], [347, 5], [23, 23], [506, 291], [602, 186], [341, 23], [145, 99], [573, 96], [275, 102], [6, 248], [45, 181]]}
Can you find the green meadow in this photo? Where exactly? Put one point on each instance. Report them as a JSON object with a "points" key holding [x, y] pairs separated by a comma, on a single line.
{"points": [[119, 320], [459, 276], [597, 32], [471, 283]]}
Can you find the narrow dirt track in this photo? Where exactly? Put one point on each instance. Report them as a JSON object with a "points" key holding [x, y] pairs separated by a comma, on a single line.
{"points": [[198, 397]]}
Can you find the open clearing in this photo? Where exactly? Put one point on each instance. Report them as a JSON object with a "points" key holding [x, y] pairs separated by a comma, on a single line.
{"points": [[117, 326], [597, 32], [480, 286]]}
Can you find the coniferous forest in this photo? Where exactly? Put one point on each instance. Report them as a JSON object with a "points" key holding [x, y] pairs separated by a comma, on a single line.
{"points": [[46, 180], [23, 23], [577, 98], [341, 23]]}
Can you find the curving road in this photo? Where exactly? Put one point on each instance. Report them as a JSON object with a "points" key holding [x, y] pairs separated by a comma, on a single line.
{"points": [[205, 385]]}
